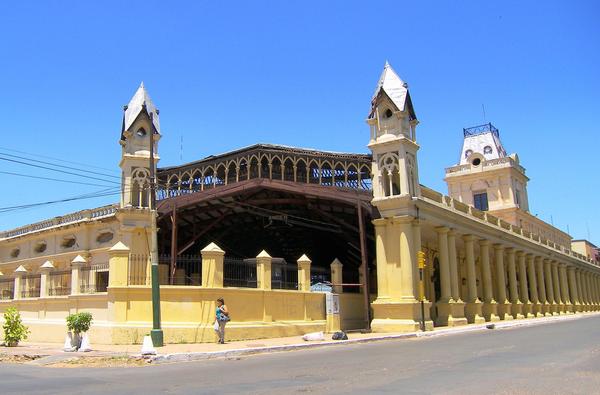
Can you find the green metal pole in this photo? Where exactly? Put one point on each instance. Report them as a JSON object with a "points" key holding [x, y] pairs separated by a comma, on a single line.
{"points": [[156, 334]]}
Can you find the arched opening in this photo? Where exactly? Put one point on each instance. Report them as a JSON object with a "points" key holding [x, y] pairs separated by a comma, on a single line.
{"points": [[264, 167], [314, 172], [276, 169], [339, 175], [326, 174], [243, 171], [288, 170], [221, 174], [301, 171], [208, 181], [231, 173], [254, 167]]}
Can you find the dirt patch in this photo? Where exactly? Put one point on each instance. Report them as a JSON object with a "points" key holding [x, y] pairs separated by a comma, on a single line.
{"points": [[9, 358], [101, 362]]}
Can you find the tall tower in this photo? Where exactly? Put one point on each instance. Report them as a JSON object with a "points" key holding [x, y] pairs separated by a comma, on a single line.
{"points": [[486, 177], [393, 123], [489, 179], [140, 124], [140, 128]]}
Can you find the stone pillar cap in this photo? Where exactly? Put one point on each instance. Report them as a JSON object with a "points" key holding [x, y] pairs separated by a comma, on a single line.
{"points": [[304, 259], [263, 254], [119, 247], [336, 262], [212, 247], [47, 265], [79, 259], [21, 269]]}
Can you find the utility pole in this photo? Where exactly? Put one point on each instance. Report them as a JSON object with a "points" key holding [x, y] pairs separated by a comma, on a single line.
{"points": [[156, 334], [421, 263]]}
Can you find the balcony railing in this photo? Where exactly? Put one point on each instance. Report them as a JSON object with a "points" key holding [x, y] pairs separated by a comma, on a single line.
{"points": [[481, 129]]}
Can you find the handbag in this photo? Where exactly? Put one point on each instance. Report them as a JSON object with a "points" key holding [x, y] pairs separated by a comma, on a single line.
{"points": [[216, 326]]}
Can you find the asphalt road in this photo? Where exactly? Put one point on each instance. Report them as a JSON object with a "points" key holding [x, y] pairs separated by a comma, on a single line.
{"points": [[557, 358]]}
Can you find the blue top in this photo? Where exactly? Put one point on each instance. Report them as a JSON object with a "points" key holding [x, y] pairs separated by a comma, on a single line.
{"points": [[219, 314]]}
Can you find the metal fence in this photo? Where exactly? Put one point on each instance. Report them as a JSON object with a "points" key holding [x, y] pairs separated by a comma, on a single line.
{"points": [[93, 278], [188, 270], [7, 288], [284, 275], [30, 286], [59, 283], [239, 272], [139, 273]]}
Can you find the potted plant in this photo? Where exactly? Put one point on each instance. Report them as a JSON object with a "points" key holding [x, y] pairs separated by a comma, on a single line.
{"points": [[14, 330], [78, 323]]}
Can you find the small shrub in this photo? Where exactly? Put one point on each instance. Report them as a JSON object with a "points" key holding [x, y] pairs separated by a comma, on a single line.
{"points": [[14, 330], [79, 322]]}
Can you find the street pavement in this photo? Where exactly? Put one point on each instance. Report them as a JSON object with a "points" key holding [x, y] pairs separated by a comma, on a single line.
{"points": [[557, 358]]}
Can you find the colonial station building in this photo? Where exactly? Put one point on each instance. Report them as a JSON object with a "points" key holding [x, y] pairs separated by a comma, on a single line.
{"points": [[275, 229]]}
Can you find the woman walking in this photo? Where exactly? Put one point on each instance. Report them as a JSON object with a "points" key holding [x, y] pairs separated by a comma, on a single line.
{"points": [[221, 317]]}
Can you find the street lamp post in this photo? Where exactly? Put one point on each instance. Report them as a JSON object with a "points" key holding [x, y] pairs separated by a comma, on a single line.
{"points": [[156, 334]]}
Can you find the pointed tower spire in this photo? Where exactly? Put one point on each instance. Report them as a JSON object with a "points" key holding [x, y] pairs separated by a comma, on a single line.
{"points": [[139, 102], [392, 86]]}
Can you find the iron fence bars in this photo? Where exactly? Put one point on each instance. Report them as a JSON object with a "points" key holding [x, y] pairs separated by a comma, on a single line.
{"points": [[283, 274], [7, 289], [480, 129], [351, 276], [30, 286], [188, 270], [239, 272], [93, 278], [139, 272], [59, 283]]}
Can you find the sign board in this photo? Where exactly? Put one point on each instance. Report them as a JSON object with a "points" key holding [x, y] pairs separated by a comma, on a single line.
{"points": [[332, 303]]}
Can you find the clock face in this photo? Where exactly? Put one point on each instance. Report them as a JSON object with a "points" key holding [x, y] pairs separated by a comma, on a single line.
{"points": [[141, 132]]}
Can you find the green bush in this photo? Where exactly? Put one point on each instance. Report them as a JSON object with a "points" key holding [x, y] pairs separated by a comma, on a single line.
{"points": [[14, 330], [79, 322]]}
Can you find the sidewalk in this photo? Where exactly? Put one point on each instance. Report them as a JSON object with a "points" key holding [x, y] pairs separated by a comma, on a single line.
{"points": [[190, 352]]}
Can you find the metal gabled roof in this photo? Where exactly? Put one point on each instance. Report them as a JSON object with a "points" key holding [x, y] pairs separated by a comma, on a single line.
{"points": [[394, 88], [136, 105]]}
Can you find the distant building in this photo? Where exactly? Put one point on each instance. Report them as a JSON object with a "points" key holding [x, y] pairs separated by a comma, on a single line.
{"points": [[586, 248]]}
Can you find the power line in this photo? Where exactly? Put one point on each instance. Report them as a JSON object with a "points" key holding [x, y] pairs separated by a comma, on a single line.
{"points": [[56, 159], [56, 170], [50, 179], [62, 166]]}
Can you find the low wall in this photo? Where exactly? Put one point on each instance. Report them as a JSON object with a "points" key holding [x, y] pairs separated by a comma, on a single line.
{"points": [[124, 314], [45, 317], [352, 311]]}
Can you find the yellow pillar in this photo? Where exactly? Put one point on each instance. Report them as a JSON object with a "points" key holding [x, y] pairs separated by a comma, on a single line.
{"points": [[573, 288], [455, 293], [118, 265], [336, 276], [588, 285], [263, 270], [396, 308], [516, 305], [544, 306], [550, 287], [489, 307], [556, 282], [524, 289], [304, 273], [536, 309], [580, 290], [76, 265], [473, 308], [45, 270], [450, 311], [18, 287], [564, 286], [212, 266], [504, 310], [408, 257]]}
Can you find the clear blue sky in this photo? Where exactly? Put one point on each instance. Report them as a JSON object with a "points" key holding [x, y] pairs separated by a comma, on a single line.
{"points": [[230, 74]]}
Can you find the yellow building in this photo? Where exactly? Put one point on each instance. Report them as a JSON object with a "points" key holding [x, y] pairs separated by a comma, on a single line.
{"points": [[268, 227]]}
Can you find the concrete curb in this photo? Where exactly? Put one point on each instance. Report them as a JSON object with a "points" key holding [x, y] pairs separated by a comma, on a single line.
{"points": [[197, 356]]}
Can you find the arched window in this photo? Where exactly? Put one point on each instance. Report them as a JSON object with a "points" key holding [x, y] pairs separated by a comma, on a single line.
{"points": [[140, 187], [390, 175]]}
